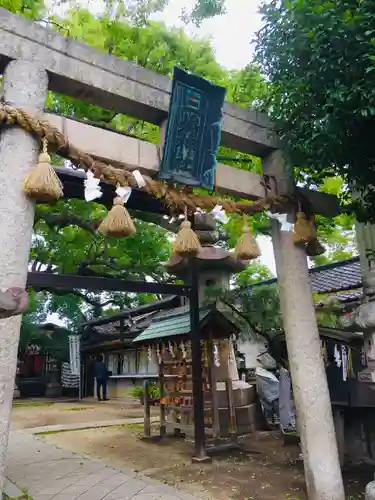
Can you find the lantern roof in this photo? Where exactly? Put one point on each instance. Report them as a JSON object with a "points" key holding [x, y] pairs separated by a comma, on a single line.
{"points": [[208, 258]]}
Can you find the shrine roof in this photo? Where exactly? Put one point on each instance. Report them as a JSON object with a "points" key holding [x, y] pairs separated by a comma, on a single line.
{"points": [[332, 278], [177, 322], [135, 312]]}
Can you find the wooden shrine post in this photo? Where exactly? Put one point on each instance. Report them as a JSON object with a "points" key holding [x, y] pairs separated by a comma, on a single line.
{"points": [[310, 387], [146, 409], [24, 85], [196, 355]]}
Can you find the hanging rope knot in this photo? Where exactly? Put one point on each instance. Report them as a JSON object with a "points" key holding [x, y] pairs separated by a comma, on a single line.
{"points": [[42, 183], [305, 229], [247, 248], [266, 183], [118, 222], [118, 201], [44, 157], [187, 242]]}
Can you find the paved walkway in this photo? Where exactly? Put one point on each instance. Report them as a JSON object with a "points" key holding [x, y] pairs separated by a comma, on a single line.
{"points": [[50, 473], [87, 425]]}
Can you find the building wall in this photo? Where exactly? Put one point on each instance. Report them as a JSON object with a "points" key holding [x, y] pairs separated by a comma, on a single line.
{"points": [[131, 362], [129, 368]]}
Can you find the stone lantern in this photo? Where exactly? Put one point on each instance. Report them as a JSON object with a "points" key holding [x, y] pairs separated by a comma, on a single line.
{"points": [[363, 318], [215, 265]]}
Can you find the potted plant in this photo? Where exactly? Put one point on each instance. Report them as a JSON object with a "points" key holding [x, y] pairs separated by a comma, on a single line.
{"points": [[137, 393], [154, 393]]}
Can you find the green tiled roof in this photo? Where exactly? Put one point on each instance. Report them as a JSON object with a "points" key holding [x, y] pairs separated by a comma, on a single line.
{"points": [[169, 326]]}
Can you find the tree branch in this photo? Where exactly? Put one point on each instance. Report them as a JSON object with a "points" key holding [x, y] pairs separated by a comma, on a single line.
{"points": [[62, 220], [92, 302]]}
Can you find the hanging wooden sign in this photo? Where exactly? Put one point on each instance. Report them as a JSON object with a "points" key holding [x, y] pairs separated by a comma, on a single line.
{"points": [[193, 131]]}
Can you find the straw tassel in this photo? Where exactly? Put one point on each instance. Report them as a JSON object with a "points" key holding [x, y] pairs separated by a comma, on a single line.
{"points": [[42, 183], [187, 242], [118, 222], [315, 248], [247, 248], [304, 230]]}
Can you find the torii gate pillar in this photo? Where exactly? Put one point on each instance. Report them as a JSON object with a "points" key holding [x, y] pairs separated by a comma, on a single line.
{"points": [[24, 86], [310, 387]]}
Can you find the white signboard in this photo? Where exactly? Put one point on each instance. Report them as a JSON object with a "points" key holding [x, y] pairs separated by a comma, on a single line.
{"points": [[74, 354]]}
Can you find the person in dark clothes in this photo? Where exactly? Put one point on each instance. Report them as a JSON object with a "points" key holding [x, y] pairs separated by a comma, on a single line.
{"points": [[101, 375]]}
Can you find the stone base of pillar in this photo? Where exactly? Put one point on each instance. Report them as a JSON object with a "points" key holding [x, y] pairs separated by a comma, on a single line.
{"points": [[370, 491]]}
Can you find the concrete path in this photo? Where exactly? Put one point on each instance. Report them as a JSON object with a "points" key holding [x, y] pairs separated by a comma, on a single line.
{"points": [[50, 473], [87, 425]]}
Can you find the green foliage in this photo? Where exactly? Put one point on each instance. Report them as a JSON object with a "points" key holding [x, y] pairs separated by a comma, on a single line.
{"points": [[261, 307], [31, 9], [36, 315], [205, 9], [258, 306], [30, 404], [137, 11], [153, 391], [254, 273], [136, 392], [319, 56], [152, 46], [56, 343], [337, 234], [24, 496], [66, 241], [328, 310]]}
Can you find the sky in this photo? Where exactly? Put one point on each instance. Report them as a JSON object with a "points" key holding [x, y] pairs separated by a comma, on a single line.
{"points": [[231, 34]]}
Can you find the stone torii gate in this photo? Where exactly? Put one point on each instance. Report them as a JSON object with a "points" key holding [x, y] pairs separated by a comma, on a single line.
{"points": [[35, 60]]}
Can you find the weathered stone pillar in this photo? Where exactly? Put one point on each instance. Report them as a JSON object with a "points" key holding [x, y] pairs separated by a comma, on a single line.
{"points": [[370, 491], [310, 388], [25, 86], [364, 316]]}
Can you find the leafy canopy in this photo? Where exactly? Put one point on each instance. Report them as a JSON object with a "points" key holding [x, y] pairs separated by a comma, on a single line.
{"points": [[319, 57], [205, 9]]}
